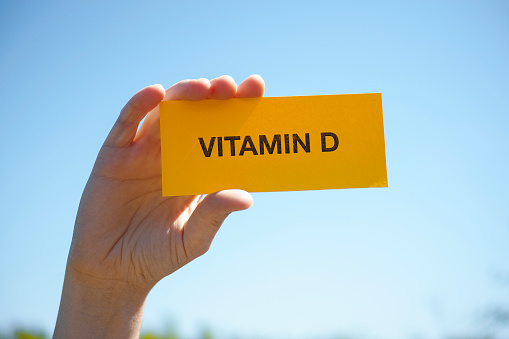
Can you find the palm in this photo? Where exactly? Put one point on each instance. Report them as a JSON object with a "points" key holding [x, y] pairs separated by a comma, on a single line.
{"points": [[146, 227], [125, 229]]}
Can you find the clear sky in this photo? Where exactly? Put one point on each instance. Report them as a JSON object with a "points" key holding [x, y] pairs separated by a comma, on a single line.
{"points": [[423, 258]]}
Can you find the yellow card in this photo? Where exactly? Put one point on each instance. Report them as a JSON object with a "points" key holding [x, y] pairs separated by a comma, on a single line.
{"points": [[273, 144]]}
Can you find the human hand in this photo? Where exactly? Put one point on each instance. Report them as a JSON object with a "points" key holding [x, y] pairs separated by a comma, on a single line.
{"points": [[128, 236]]}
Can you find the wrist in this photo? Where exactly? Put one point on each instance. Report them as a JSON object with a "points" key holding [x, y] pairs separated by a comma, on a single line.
{"points": [[92, 308]]}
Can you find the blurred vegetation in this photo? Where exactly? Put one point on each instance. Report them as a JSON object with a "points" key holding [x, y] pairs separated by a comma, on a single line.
{"points": [[207, 334], [36, 334], [24, 334], [495, 319], [172, 334]]}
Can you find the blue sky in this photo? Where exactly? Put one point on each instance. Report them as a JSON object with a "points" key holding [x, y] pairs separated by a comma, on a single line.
{"points": [[422, 258]]}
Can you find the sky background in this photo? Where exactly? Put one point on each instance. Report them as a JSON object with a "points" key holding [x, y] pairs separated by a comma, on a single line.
{"points": [[424, 258]]}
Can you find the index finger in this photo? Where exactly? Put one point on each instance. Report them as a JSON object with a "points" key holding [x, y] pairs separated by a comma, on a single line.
{"points": [[190, 89]]}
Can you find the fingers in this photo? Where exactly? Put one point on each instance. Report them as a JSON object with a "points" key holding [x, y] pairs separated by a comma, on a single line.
{"points": [[222, 88], [252, 87], [123, 132], [208, 217], [192, 90]]}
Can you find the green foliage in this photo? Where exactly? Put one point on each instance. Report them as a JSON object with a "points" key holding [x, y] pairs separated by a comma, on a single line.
{"points": [[206, 334], [151, 335], [24, 334]]}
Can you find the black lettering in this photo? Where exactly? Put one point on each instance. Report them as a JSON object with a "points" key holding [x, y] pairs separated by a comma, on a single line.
{"points": [[220, 146], [324, 143], [232, 143], [207, 151], [247, 139], [276, 141], [287, 143], [296, 139]]}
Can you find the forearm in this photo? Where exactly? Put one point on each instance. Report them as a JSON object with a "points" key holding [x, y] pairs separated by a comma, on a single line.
{"points": [[93, 308]]}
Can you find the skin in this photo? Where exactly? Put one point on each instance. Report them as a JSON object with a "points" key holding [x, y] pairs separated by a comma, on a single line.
{"points": [[128, 236]]}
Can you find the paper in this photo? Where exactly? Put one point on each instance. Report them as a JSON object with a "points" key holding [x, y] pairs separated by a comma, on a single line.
{"points": [[273, 144]]}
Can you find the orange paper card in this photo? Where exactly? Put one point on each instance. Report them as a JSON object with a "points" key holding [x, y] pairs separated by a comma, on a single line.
{"points": [[273, 144]]}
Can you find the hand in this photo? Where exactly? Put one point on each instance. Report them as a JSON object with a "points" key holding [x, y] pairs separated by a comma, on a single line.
{"points": [[128, 236]]}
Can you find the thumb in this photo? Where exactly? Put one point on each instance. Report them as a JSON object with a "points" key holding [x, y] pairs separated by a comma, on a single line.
{"points": [[208, 217]]}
